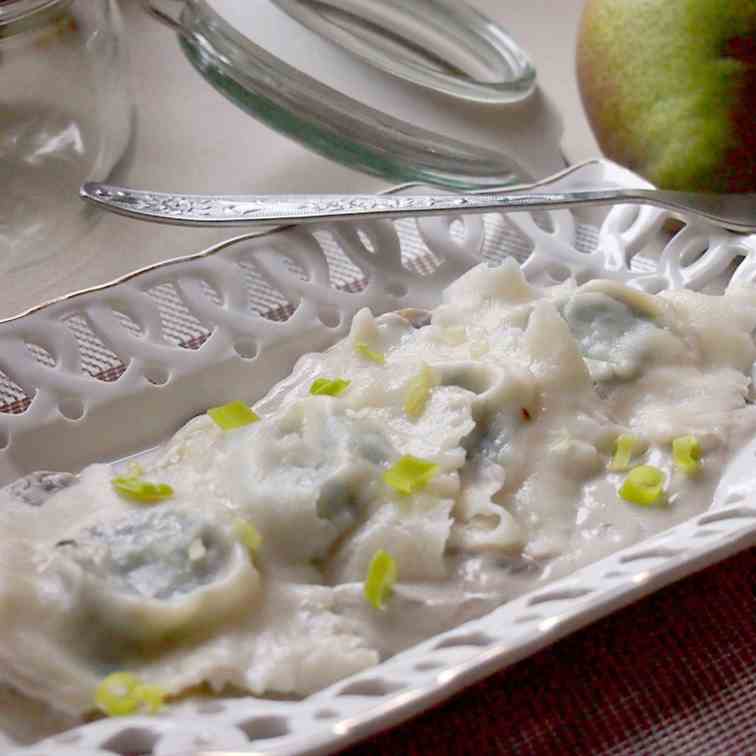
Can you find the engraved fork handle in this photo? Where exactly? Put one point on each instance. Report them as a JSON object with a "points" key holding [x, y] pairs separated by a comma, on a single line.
{"points": [[734, 211]]}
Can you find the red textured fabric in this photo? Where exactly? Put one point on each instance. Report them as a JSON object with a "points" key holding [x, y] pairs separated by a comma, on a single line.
{"points": [[673, 674]]}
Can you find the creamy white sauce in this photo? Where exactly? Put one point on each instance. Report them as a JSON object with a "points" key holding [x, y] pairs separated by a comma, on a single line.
{"points": [[531, 389]]}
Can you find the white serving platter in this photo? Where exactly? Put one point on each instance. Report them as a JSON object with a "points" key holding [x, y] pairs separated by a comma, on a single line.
{"points": [[111, 371]]}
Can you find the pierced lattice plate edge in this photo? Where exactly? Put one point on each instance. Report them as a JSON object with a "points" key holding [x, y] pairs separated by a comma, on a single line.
{"points": [[409, 683]]}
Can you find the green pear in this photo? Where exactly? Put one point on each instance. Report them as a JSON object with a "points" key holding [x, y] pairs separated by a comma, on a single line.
{"points": [[669, 87]]}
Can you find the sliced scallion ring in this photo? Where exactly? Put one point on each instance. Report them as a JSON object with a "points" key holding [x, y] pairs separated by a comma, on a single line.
{"points": [[329, 386], [644, 486], [410, 474], [369, 354], [232, 415], [121, 694], [418, 392], [140, 490], [626, 447], [380, 579], [686, 454], [246, 533]]}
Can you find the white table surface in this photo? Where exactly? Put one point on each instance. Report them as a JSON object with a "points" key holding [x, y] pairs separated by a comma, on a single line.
{"points": [[179, 115]]}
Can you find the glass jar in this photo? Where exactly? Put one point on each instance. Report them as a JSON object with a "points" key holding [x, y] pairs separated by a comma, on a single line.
{"points": [[410, 90], [65, 117]]}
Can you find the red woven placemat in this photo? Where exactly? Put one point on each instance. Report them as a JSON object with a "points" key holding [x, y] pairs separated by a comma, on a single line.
{"points": [[672, 674]]}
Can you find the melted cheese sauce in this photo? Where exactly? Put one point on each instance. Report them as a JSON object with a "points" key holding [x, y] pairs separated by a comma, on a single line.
{"points": [[531, 388]]}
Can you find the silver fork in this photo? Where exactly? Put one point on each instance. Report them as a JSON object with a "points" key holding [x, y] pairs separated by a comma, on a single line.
{"points": [[736, 212]]}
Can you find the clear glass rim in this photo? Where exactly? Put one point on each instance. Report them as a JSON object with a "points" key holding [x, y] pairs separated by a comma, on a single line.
{"points": [[325, 120], [405, 28]]}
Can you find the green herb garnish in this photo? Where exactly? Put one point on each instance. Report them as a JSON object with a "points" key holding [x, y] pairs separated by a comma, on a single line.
{"points": [[410, 474], [122, 693], [246, 533], [365, 351], [625, 448], [380, 579], [232, 415], [329, 386], [686, 454], [644, 486], [418, 392], [140, 490]]}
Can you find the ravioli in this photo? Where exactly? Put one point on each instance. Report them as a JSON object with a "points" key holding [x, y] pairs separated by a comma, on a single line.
{"points": [[523, 395]]}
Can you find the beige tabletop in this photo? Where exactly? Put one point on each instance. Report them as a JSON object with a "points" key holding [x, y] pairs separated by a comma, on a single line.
{"points": [[179, 115]]}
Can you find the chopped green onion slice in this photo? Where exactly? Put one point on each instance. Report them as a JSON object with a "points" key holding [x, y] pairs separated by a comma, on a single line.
{"points": [[644, 486], [418, 392], [625, 448], [329, 386], [140, 490], [246, 533], [115, 694], [151, 698], [365, 351], [686, 453], [380, 579], [232, 415], [122, 693], [410, 474]]}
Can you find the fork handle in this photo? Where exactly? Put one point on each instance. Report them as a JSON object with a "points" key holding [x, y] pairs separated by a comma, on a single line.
{"points": [[248, 210], [731, 211]]}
